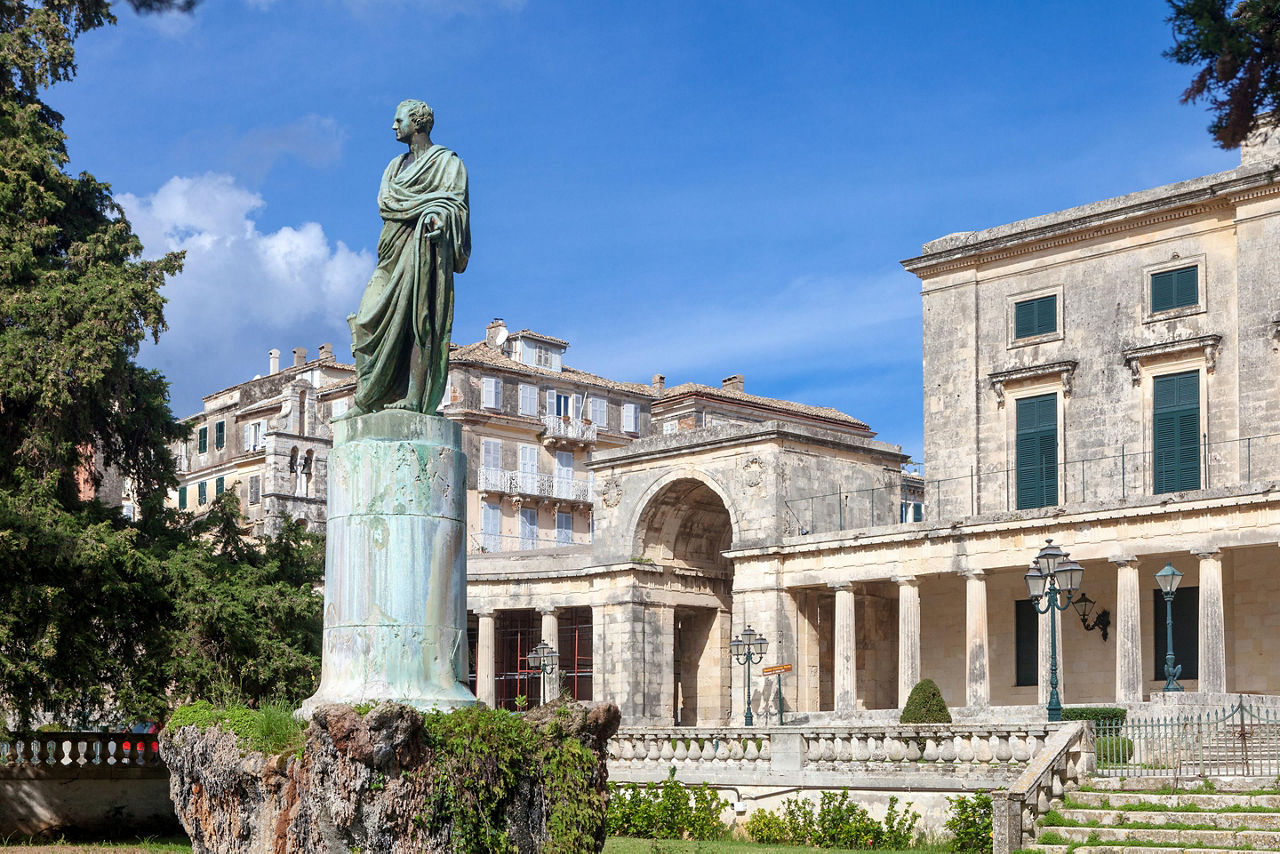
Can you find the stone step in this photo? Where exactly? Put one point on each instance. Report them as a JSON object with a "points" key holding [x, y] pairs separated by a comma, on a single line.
{"points": [[1126, 849], [1222, 785], [1226, 821], [1186, 802], [1267, 840]]}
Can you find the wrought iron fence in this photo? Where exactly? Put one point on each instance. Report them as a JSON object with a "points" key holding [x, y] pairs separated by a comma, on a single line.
{"points": [[1242, 741]]}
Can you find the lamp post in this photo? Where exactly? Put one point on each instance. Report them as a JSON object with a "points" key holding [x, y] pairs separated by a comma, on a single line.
{"points": [[1084, 607], [748, 649], [544, 659], [1052, 573], [1168, 579]]}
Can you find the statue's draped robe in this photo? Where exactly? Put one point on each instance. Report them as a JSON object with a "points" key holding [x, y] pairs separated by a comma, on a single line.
{"points": [[408, 304]]}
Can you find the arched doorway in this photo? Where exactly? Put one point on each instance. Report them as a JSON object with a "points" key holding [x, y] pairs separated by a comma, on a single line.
{"points": [[685, 528]]}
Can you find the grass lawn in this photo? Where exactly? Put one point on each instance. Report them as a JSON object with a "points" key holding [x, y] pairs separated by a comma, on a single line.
{"points": [[148, 845], [622, 845]]}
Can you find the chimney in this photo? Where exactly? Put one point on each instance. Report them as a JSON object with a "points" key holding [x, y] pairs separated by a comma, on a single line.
{"points": [[326, 352], [299, 356], [733, 383], [273, 360], [1263, 142], [659, 383], [495, 334]]}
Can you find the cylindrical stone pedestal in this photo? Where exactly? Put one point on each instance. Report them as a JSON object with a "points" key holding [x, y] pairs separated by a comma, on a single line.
{"points": [[395, 580]]}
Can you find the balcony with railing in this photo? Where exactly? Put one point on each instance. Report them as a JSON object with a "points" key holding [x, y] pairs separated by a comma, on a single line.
{"points": [[495, 481], [564, 430], [481, 542]]}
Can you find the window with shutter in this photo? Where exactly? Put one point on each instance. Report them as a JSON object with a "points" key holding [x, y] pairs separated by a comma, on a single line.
{"points": [[1175, 442], [202, 492], [1026, 634], [220, 435], [182, 498], [219, 486], [1175, 288], [491, 453], [202, 441], [629, 418], [255, 489], [528, 528], [1037, 451], [248, 437], [491, 393], [563, 406], [491, 526], [564, 527], [1035, 316], [528, 399], [600, 412]]}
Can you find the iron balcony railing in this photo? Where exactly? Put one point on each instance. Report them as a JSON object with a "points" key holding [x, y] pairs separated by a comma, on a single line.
{"points": [[533, 484], [565, 427], [483, 543]]}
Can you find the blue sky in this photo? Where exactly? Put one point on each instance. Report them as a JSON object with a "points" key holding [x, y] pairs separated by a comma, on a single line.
{"points": [[688, 188]]}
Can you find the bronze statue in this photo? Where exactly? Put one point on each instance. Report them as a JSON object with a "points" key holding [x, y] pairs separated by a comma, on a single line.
{"points": [[400, 334]]}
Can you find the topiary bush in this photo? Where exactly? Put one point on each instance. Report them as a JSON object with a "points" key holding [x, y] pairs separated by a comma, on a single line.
{"points": [[925, 705]]}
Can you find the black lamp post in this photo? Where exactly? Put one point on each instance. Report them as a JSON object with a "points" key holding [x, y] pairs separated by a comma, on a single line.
{"points": [[1084, 607], [1168, 579], [1053, 572], [544, 659], [748, 649]]}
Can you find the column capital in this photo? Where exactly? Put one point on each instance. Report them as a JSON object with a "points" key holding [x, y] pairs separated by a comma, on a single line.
{"points": [[840, 585], [546, 609], [976, 574], [484, 612], [907, 580], [1123, 560], [1207, 552]]}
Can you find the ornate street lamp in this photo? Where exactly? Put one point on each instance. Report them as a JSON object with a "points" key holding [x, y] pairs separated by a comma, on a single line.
{"points": [[544, 659], [1168, 579], [1052, 573], [1084, 607], [748, 649]]}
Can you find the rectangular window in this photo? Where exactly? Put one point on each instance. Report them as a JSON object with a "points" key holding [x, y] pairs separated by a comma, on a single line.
{"points": [[528, 399], [219, 435], [491, 527], [529, 469], [564, 405], [575, 651], [182, 498], [1175, 289], [600, 411], [564, 527], [202, 492], [630, 418], [669, 427], [1186, 637], [1037, 450], [1035, 316], [491, 393], [339, 407], [255, 489], [491, 453], [202, 441], [1026, 634], [911, 511], [1175, 419], [528, 527], [219, 486]]}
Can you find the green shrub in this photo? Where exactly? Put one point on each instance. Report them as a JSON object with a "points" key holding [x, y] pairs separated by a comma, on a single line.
{"points": [[840, 823], [765, 827], [969, 822], [1098, 714], [899, 827], [798, 820], [1113, 749], [925, 705], [666, 810]]}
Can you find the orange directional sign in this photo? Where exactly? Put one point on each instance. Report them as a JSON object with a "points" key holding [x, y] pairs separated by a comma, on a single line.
{"points": [[777, 668]]}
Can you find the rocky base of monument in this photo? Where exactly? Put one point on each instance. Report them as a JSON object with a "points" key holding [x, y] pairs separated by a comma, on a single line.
{"points": [[395, 780]]}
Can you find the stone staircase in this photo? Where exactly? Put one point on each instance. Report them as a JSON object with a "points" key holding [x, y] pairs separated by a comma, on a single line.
{"points": [[1112, 816]]}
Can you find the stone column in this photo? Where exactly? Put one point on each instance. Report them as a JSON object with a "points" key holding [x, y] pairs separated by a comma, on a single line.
{"points": [[1212, 629], [846, 651], [551, 634], [486, 689], [1128, 631], [977, 690], [908, 636]]}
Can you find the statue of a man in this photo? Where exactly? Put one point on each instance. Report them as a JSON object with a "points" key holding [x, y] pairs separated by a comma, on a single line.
{"points": [[400, 334]]}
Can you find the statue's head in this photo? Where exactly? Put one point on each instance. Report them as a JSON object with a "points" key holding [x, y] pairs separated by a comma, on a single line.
{"points": [[421, 118]]}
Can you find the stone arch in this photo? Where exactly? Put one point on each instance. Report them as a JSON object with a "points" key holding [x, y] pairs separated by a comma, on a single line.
{"points": [[685, 510]]}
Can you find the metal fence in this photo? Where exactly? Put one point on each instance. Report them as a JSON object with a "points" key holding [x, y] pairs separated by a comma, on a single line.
{"points": [[1242, 741]]}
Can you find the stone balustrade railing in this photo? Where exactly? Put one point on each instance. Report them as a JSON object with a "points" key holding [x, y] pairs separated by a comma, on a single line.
{"points": [[1067, 757], [73, 752], [994, 752]]}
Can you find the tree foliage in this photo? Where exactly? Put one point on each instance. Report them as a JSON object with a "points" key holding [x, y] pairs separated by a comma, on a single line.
{"points": [[1235, 44]]}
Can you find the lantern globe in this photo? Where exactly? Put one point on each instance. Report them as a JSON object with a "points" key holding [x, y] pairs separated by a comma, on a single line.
{"points": [[1084, 606], [1049, 558], [1036, 582], [1169, 578], [1069, 575]]}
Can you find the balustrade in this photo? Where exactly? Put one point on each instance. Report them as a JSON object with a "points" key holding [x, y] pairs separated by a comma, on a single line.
{"points": [[54, 750]]}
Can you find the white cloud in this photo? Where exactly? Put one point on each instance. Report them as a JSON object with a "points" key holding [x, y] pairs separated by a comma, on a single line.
{"points": [[241, 289], [314, 140]]}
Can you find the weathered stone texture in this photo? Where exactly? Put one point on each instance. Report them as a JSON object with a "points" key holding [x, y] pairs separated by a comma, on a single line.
{"points": [[360, 783]]}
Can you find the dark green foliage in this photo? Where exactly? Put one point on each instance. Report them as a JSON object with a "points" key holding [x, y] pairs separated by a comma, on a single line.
{"points": [[480, 755], [1113, 749], [246, 618], [969, 822], [925, 705], [271, 729], [1235, 45], [838, 822], [666, 810], [1111, 715]]}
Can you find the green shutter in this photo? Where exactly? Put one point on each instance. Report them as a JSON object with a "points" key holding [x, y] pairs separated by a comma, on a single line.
{"points": [[220, 435], [202, 444], [202, 493], [1037, 451], [182, 498], [219, 486], [1035, 317], [1176, 432], [1175, 289]]}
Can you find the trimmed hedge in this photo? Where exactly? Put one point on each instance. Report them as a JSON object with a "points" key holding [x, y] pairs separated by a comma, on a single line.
{"points": [[1097, 714], [925, 705]]}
